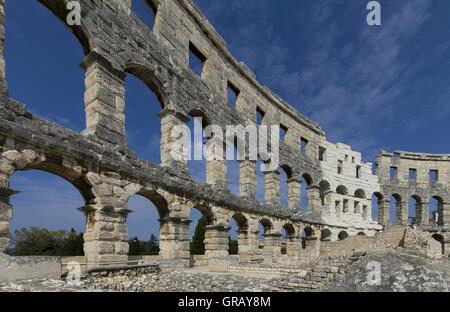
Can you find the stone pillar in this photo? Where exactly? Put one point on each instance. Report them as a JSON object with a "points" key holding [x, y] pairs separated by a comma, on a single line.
{"points": [[174, 241], [169, 119], [216, 247], [314, 201], [272, 241], [446, 217], [294, 246], [422, 209], [402, 212], [313, 246], [383, 211], [216, 166], [327, 198], [3, 83], [106, 236], [247, 178], [294, 194], [104, 100], [6, 214], [272, 187]]}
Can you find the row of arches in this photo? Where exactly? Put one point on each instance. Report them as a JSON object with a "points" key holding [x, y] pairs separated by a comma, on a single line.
{"points": [[414, 209]]}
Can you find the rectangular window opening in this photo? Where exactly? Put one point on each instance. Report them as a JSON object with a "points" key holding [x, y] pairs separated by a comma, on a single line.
{"points": [[340, 167], [303, 144], [196, 60], [358, 172], [393, 173], [233, 94], [283, 132], [322, 152], [259, 116], [412, 174], [434, 176]]}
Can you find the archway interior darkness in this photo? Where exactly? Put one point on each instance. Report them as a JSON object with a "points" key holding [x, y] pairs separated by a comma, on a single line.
{"points": [[46, 201], [342, 235], [142, 123], [413, 205], [46, 49]]}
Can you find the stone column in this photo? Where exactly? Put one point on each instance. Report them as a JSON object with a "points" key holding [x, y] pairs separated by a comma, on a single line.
{"points": [[6, 214], [3, 83], [216, 247], [106, 236], [314, 201], [328, 199], [272, 187], [294, 246], [383, 211], [247, 178], [169, 119], [446, 217], [216, 167], [272, 241], [422, 209], [294, 194], [313, 246], [104, 100], [174, 241]]}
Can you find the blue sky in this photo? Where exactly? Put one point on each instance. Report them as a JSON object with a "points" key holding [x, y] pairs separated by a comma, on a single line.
{"points": [[371, 87]]}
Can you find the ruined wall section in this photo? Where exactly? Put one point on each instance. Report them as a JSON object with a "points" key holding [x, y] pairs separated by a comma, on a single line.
{"points": [[419, 176]]}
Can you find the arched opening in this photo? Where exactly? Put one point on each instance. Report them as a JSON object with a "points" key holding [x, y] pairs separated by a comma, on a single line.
{"points": [[325, 188], [260, 189], [395, 209], [308, 232], [414, 209], [285, 175], [306, 182], [359, 193], [142, 123], [233, 175], [440, 239], [287, 234], [361, 234], [146, 10], [325, 235], [143, 223], [197, 161], [48, 51], [341, 190], [342, 235], [377, 202], [341, 202], [436, 211], [238, 230], [200, 217], [45, 220], [264, 227]]}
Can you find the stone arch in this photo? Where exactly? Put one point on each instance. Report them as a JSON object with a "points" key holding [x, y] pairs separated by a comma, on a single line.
{"points": [[341, 190], [378, 207], [267, 225], [396, 208], [437, 216], [415, 209], [289, 228], [286, 186], [305, 185], [81, 32], [325, 235], [342, 235], [241, 221], [361, 234], [325, 189], [158, 200], [360, 193]]}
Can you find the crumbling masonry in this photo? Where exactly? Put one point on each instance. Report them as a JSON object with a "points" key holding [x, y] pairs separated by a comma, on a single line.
{"points": [[107, 173]]}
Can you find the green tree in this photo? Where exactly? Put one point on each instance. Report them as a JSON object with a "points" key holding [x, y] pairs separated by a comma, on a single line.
{"points": [[233, 246], [137, 248], [197, 244], [73, 244], [152, 247], [38, 242]]}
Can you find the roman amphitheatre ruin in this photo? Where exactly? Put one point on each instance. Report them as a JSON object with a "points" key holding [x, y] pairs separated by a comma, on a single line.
{"points": [[336, 231]]}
